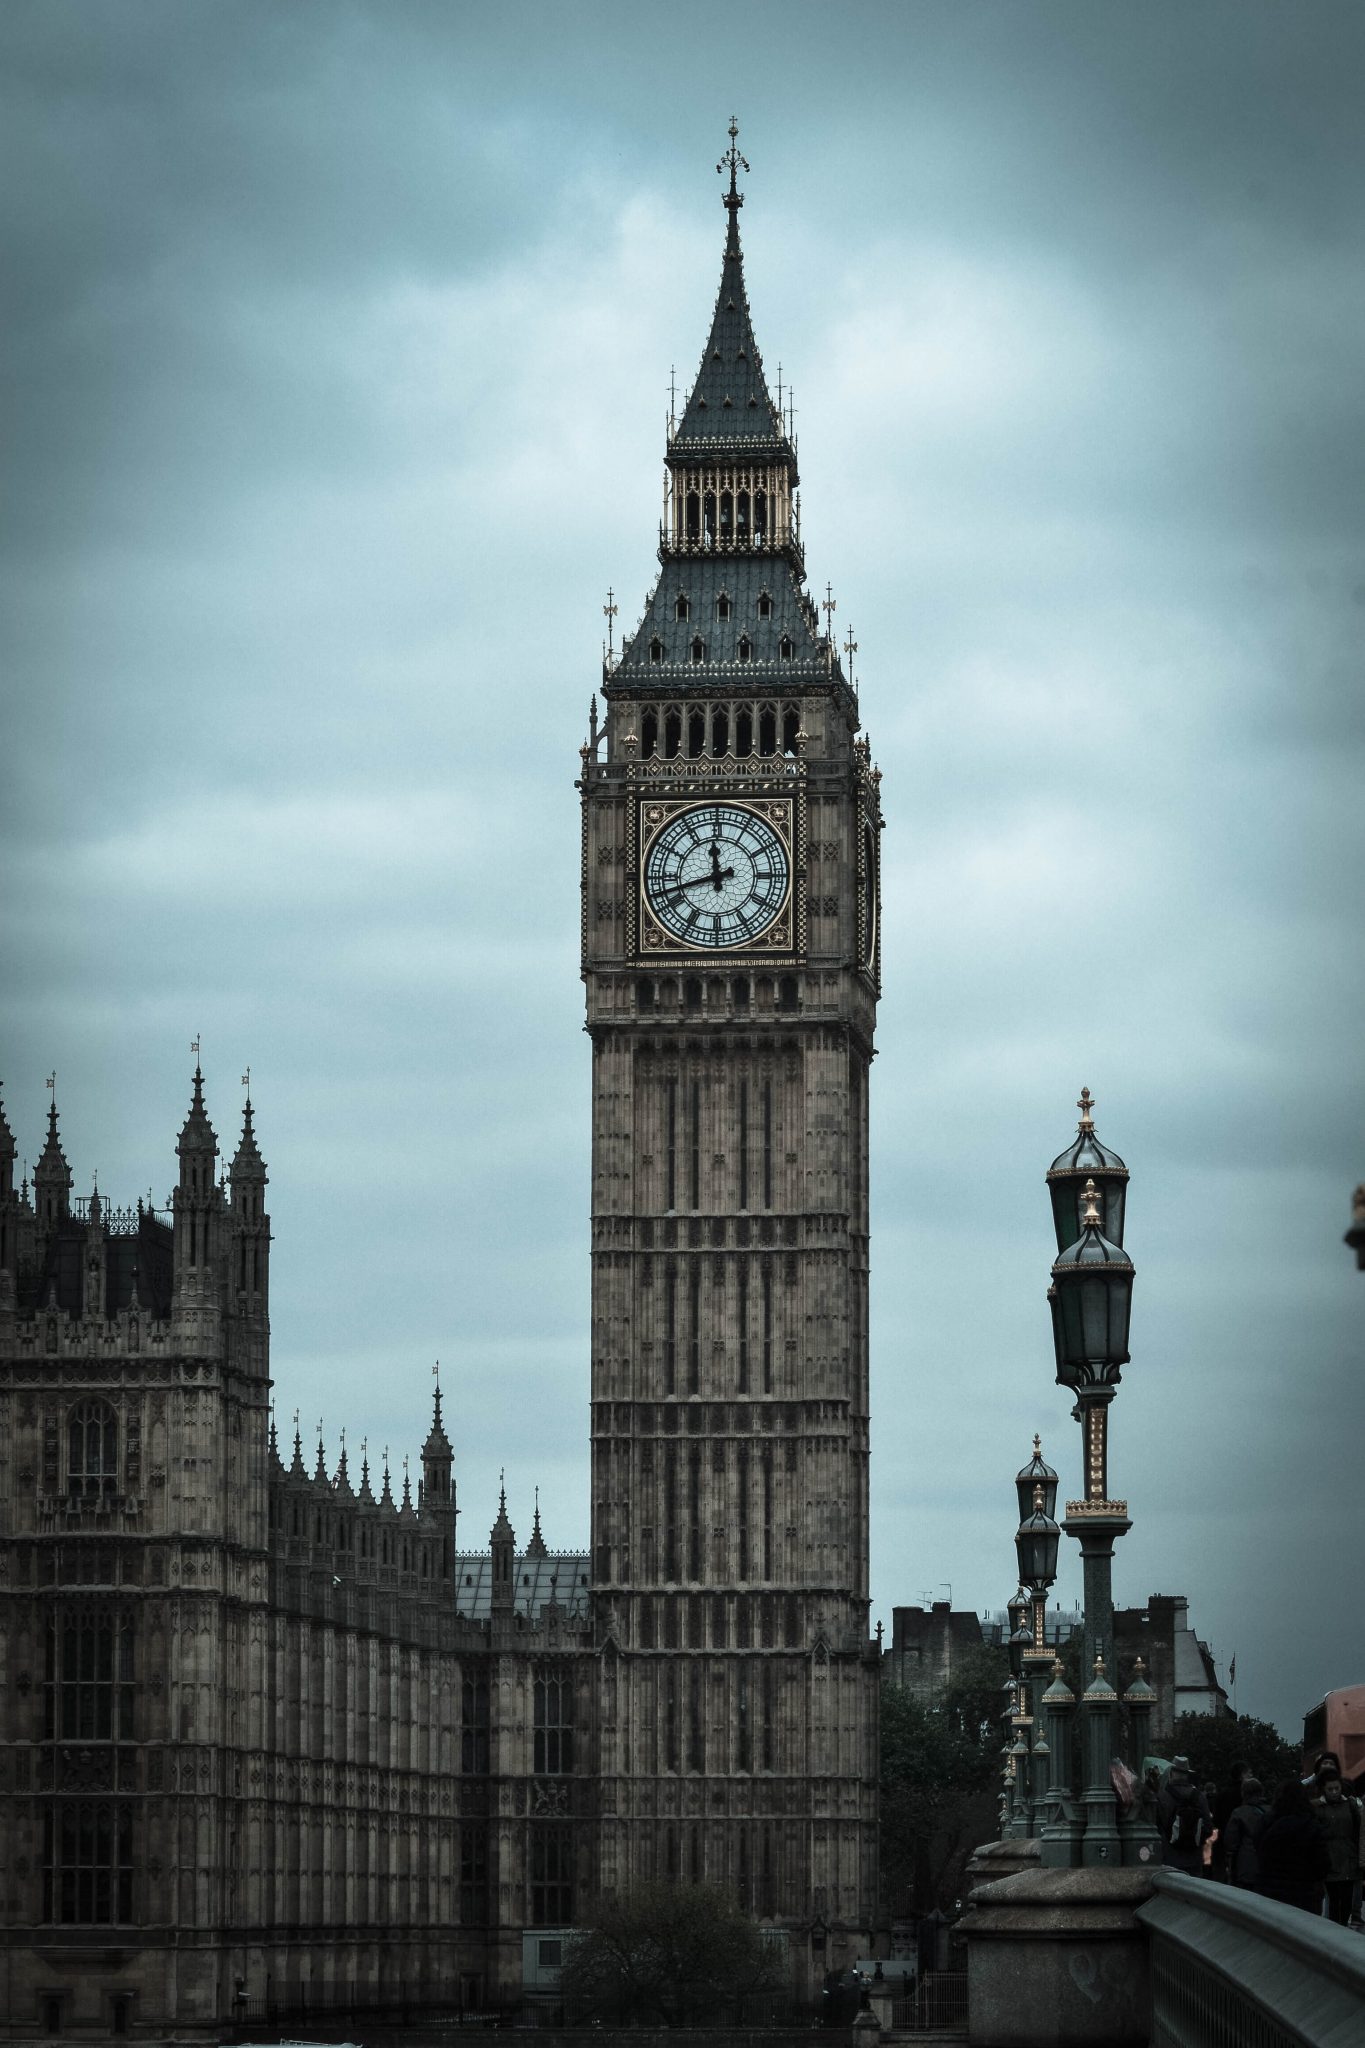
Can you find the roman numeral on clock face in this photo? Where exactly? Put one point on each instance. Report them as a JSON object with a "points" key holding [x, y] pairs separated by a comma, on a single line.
{"points": [[716, 875]]}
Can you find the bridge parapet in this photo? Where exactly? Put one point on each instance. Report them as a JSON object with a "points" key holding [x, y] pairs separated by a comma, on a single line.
{"points": [[1227, 1965]]}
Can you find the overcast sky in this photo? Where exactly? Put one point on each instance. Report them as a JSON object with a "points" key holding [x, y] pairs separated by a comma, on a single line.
{"points": [[338, 346]]}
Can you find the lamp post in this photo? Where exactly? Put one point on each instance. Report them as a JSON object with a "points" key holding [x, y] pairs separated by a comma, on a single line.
{"points": [[1036, 1543], [1091, 1300], [1016, 1712]]}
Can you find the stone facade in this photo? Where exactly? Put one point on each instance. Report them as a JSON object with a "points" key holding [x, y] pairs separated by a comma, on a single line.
{"points": [[266, 1738], [262, 1731], [731, 819]]}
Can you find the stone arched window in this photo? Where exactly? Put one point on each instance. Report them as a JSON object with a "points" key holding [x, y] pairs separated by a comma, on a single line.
{"points": [[92, 1450]]}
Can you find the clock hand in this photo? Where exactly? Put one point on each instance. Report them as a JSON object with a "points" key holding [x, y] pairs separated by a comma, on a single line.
{"points": [[719, 875]]}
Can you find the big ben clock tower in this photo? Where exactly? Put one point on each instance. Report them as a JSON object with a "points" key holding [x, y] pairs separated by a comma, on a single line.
{"points": [[731, 954]]}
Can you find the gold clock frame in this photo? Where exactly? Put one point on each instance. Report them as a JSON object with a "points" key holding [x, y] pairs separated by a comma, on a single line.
{"points": [[785, 938]]}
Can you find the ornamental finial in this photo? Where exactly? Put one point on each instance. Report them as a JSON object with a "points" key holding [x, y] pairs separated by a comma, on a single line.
{"points": [[1086, 1107], [1090, 1196], [733, 162]]}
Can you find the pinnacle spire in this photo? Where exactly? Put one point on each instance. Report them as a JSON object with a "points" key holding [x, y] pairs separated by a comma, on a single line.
{"points": [[437, 1441], [730, 402], [197, 1133], [536, 1546]]}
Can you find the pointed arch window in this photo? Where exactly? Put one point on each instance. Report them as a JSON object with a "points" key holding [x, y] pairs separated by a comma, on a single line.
{"points": [[744, 733], [681, 608], [723, 605], [791, 726], [765, 604], [767, 730], [760, 515], [727, 515], [786, 650], [672, 732], [708, 505], [656, 650], [693, 516], [696, 734], [742, 515], [92, 1450], [746, 648], [698, 648], [649, 735], [720, 730]]}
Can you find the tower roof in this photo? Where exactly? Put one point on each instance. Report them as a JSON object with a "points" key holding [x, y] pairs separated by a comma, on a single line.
{"points": [[502, 1530], [247, 1163], [52, 1160], [730, 407], [6, 1135], [197, 1133], [437, 1443]]}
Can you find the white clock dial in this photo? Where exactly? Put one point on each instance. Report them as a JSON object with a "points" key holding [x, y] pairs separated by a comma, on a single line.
{"points": [[717, 875]]}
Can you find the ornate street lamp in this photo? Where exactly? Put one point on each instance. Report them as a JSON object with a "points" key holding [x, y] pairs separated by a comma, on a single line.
{"points": [[1091, 1299], [1036, 1543], [1086, 1159]]}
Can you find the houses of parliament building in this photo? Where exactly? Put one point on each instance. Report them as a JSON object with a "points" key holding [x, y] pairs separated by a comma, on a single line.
{"points": [[265, 1732]]}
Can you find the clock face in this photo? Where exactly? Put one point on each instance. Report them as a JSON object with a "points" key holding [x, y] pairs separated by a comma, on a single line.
{"points": [[716, 875]]}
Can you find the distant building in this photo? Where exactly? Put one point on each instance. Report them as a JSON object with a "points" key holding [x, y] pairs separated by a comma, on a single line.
{"points": [[927, 1643], [1179, 1665], [1338, 1723]]}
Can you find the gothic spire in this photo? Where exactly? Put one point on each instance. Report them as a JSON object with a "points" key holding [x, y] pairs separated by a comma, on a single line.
{"points": [[536, 1546], [730, 405], [247, 1163], [437, 1442], [502, 1531], [52, 1175], [197, 1133]]}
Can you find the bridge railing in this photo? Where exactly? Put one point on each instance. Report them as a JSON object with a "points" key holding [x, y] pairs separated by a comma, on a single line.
{"points": [[1233, 1970]]}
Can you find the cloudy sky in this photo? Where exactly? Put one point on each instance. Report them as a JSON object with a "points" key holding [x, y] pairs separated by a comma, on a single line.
{"points": [[338, 346]]}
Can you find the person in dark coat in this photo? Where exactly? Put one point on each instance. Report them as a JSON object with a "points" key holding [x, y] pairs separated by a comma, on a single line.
{"points": [[1292, 1850], [1244, 1828], [1183, 1820], [1339, 1819], [1225, 1804]]}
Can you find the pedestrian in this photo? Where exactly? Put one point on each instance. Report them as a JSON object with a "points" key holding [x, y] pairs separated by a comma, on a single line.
{"points": [[1184, 1821], [1245, 1826], [1339, 1819], [1292, 1850], [1225, 1804]]}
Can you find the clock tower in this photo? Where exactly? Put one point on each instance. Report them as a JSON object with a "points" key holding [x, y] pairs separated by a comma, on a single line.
{"points": [[731, 820]]}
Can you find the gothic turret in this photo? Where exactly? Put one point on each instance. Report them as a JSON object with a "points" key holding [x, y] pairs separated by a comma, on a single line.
{"points": [[502, 1537], [6, 1157], [9, 1214], [249, 1256], [438, 1493], [52, 1177], [197, 1202]]}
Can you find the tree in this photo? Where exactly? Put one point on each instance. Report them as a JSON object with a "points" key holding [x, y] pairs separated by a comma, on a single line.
{"points": [[1214, 1743], [669, 1955], [939, 1782]]}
